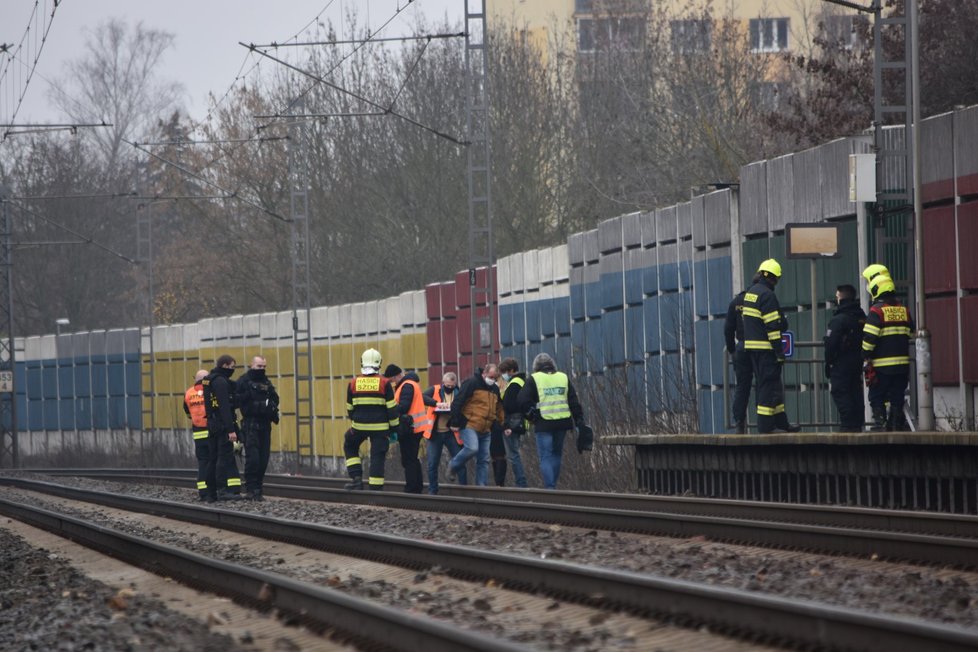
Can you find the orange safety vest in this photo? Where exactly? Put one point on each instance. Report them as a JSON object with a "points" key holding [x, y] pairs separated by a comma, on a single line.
{"points": [[418, 412], [194, 398], [436, 394]]}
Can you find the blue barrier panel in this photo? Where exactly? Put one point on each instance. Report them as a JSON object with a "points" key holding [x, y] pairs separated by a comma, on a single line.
{"points": [[117, 412], [100, 413], [704, 407], [702, 300], [671, 324], [633, 287], [49, 382], [35, 387], [134, 408], [548, 325], [650, 280], [701, 330], [577, 346], [721, 285], [564, 353], [653, 382], [637, 387], [533, 349], [672, 382], [83, 380], [592, 295], [577, 301], [593, 346], [519, 323], [533, 321], [613, 337], [549, 346], [562, 316], [686, 274], [505, 324], [634, 334], [66, 382], [49, 407], [668, 277], [67, 409], [133, 379], [35, 414], [117, 378], [650, 310], [612, 290], [21, 413], [719, 419], [100, 380], [83, 413], [717, 345]]}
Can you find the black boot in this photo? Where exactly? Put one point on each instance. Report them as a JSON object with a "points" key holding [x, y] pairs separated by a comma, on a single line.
{"points": [[879, 420], [741, 427], [355, 484], [895, 421]]}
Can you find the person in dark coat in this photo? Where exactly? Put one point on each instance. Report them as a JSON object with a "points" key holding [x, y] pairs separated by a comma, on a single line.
{"points": [[733, 334], [416, 422], [258, 402], [222, 430], [509, 370], [844, 359]]}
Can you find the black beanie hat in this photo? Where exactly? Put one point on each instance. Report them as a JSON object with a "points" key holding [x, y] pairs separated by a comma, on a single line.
{"points": [[392, 370]]}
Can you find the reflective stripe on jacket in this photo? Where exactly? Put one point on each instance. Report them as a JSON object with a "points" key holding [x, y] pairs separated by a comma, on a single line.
{"points": [[886, 335], [762, 319], [552, 392], [370, 404]]}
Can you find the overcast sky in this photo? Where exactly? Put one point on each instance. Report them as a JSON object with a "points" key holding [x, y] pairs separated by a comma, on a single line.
{"points": [[206, 56]]}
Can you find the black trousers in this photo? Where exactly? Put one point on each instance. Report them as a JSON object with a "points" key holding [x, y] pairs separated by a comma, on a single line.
{"points": [[222, 470], [202, 450], [744, 373], [379, 444], [888, 392], [770, 392], [410, 444], [847, 392], [257, 435]]}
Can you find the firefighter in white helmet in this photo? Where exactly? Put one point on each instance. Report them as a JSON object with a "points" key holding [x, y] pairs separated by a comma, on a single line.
{"points": [[370, 404]]}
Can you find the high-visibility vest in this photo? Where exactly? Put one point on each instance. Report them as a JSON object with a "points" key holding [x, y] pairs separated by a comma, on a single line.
{"points": [[552, 395], [194, 398], [420, 420], [519, 382]]}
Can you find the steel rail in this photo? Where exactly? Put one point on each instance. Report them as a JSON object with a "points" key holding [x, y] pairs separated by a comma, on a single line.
{"points": [[887, 520], [737, 612], [359, 619], [960, 552]]}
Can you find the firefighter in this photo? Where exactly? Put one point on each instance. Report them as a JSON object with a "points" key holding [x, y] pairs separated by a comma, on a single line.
{"points": [[762, 339], [193, 405], [843, 358], [371, 406], [733, 334], [222, 430], [886, 352], [415, 423], [258, 402]]}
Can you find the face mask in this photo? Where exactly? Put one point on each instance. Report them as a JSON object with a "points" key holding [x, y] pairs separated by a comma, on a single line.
{"points": [[507, 377], [490, 381], [449, 388]]}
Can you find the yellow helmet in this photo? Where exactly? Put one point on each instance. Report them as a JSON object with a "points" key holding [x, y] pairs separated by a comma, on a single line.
{"points": [[875, 270], [371, 359], [770, 266], [880, 285]]}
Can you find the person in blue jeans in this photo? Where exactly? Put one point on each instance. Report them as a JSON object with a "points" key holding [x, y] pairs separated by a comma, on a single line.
{"points": [[509, 369], [442, 438], [477, 408], [549, 399]]}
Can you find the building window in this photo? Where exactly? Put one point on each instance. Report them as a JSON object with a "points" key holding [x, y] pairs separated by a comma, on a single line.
{"points": [[845, 30], [768, 34], [606, 33], [690, 36]]}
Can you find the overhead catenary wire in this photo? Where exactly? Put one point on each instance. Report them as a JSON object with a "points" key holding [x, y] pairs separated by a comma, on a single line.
{"points": [[36, 54], [388, 39], [210, 183]]}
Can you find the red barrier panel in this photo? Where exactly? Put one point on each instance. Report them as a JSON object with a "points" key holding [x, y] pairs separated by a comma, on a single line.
{"points": [[939, 273], [942, 322]]}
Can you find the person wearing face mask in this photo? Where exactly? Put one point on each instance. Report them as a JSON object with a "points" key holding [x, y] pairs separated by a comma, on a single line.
{"points": [[515, 421], [441, 436], [223, 480], [549, 395], [843, 359], [477, 409], [258, 402]]}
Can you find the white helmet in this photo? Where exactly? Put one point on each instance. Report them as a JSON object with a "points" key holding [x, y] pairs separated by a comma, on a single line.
{"points": [[370, 361]]}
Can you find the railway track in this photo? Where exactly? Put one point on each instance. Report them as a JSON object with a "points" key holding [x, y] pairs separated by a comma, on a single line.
{"points": [[757, 616], [920, 537]]}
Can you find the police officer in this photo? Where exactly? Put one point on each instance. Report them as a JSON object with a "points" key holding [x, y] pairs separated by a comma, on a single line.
{"points": [[371, 406], [258, 402], [193, 405], [885, 346], [843, 358], [222, 431], [762, 339]]}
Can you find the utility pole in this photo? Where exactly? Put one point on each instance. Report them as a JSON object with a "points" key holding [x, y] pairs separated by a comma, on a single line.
{"points": [[9, 449], [478, 174]]}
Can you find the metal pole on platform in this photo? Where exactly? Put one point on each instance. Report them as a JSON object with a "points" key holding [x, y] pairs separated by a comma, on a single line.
{"points": [[816, 416]]}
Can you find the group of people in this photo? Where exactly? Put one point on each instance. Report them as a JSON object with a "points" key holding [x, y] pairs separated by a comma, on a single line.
{"points": [[859, 348], [212, 404], [462, 420]]}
